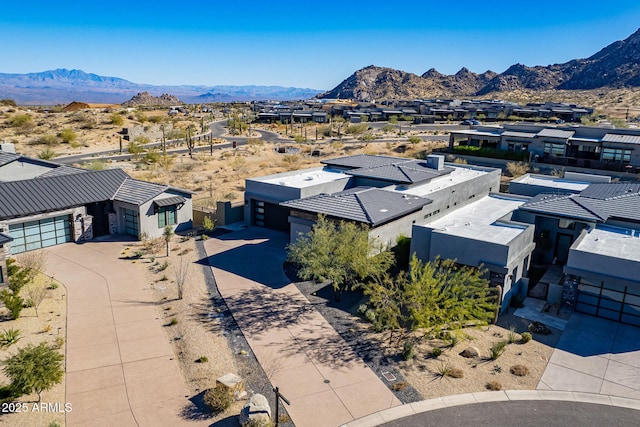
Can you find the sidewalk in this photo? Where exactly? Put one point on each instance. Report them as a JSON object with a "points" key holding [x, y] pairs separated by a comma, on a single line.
{"points": [[326, 382]]}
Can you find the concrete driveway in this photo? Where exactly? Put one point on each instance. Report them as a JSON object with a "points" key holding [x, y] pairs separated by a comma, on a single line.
{"points": [[120, 367], [595, 355], [326, 382]]}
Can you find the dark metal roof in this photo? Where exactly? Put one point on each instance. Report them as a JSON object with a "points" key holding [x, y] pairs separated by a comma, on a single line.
{"points": [[409, 172], [170, 201], [608, 191], [560, 205], [27, 197], [62, 170], [364, 161], [598, 202], [367, 205], [5, 239], [8, 157], [138, 192]]}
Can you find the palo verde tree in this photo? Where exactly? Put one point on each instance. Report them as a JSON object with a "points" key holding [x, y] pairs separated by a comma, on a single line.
{"points": [[342, 253], [444, 295], [431, 297], [34, 368]]}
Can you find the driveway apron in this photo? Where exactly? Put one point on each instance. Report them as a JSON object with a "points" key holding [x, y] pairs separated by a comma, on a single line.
{"points": [[120, 367], [326, 382]]}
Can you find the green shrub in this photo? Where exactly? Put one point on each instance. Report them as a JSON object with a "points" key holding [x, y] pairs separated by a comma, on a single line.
{"points": [[172, 322], [436, 352], [13, 302], [539, 328], [443, 370], [407, 351], [218, 399], [68, 135], [203, 359], [497, 349], [525, 337], [47, 140], [116, 119], [9, 337], [370, 315], [512, 336], [47, 154]]}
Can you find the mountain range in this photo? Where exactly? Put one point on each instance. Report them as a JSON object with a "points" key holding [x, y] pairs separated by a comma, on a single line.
{"points": [[62, 86], [615, 66]]}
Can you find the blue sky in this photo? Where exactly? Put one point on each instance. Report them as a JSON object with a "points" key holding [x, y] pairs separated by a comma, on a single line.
{"points": [[313, 44]]}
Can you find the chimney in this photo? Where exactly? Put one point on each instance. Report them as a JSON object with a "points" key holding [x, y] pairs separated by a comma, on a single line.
{"points": [[435, 161]]}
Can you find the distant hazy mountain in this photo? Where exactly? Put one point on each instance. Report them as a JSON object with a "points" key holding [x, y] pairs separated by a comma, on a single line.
{"points": [[63, 86], [615, 66]]}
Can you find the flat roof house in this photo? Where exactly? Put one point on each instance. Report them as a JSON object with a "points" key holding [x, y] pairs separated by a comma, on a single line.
{"points": [[64, 204], [482, 233], [387, 193]]}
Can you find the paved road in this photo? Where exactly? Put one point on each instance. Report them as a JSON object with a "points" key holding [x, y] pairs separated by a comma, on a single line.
{"points": [[326, 382], [524, 413]]}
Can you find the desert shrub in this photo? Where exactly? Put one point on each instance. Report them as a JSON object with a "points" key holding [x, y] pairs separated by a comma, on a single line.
{"points": [[497, 349], [218, 399], [456, 373], [362, 309], [436, 352], [443, 369], [512, 336], [517, 169], [525, 337], [539, 328], [116, 119], [370, 315], [58, 342], [46, 154], [407, 351], [454, 339], [13, 302], [399, 386], [203, 359], [261, 422], [208, 223], [519, 370], [494, 386], [414, 139], [47, 139], [68, 135], [172, 322], [9, 337], [496, 369]]}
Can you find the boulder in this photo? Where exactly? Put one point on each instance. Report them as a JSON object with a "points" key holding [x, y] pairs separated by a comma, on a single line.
{"points": [[257, 410], [470, 352]]}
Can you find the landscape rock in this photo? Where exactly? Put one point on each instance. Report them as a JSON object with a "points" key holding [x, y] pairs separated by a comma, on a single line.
{"points": [[257, 410], [145, 98], [470, 352]]}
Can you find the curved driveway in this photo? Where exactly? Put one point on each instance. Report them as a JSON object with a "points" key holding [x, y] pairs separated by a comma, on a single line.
{"points": [[326, 382], [120, 368]]}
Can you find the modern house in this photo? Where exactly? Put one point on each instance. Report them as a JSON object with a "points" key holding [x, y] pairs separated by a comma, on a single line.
{"points": [[45, 204], [589, 238], [581, 146], [573, 182], [482, 234], [387, 193]]}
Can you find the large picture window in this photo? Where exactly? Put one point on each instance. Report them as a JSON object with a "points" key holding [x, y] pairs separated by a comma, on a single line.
{"points": [[167, 215], [616, 154], [554, 149]]}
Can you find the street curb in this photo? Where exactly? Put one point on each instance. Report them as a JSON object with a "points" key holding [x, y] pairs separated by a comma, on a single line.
{"points": [[409, 409]]}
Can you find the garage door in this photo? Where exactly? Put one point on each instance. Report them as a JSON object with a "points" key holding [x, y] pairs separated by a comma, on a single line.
{"points": [[131, 222], [32, 235], [271, 216], [614, 302]]}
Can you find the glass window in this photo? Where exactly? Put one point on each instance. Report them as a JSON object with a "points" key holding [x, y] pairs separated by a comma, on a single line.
{"points": [[553, 149], [167, 215], [616, 154]]}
